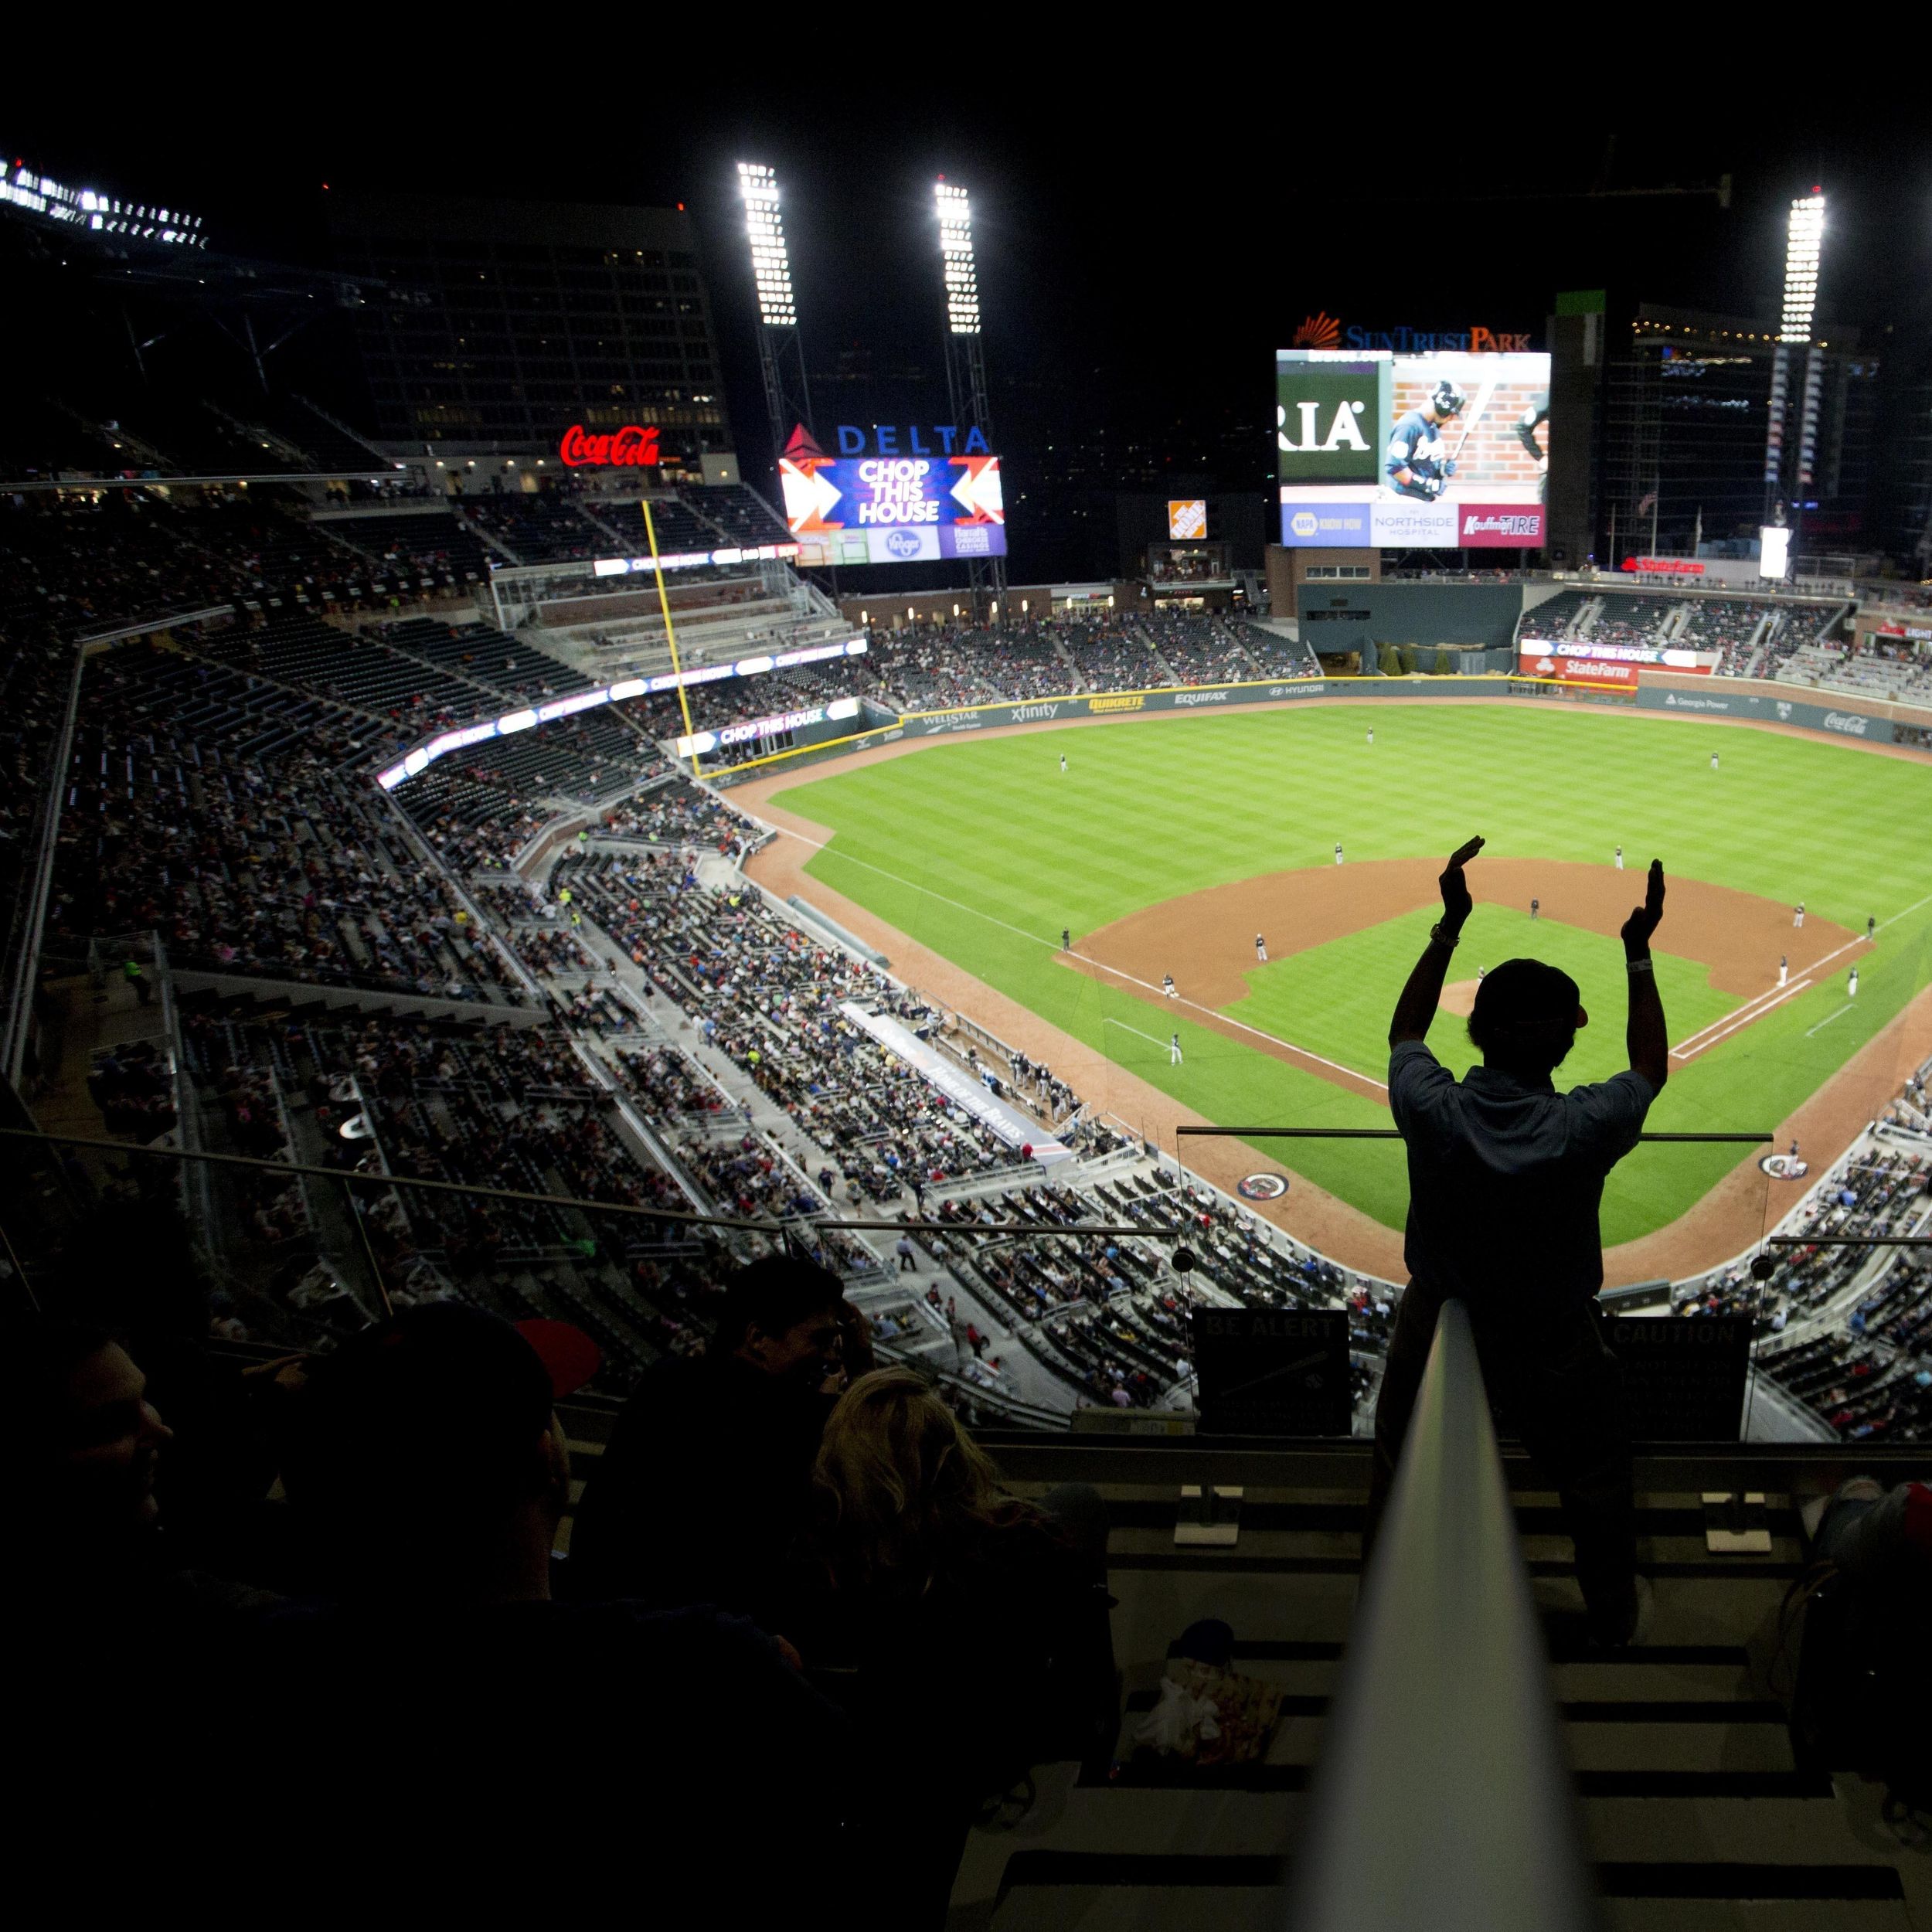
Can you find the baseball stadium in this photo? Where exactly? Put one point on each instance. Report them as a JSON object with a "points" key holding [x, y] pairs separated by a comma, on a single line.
{"points": [[530, 845]]}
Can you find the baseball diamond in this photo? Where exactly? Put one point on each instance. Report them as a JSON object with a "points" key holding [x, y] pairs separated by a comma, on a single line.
{"points": [[1166, 849]]}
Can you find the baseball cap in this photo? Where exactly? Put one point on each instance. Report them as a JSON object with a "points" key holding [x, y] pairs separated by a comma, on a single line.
{"points": [[1526, 992]]}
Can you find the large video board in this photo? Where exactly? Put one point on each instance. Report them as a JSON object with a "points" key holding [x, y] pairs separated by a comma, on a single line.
{"points": [[1447, 451], [893, 509]]}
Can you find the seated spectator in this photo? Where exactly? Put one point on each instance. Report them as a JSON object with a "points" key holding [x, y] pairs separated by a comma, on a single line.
{"points": [[916, 1551], [703, 1489], [444, 1683], [1506, 1176]]}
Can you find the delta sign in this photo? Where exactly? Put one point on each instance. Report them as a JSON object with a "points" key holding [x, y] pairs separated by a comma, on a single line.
{"points": [[906, 502]]}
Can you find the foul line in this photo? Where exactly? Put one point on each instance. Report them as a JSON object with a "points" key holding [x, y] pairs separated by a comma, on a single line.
{"points": [[1692, 1044], [1734, 1021], [1107, 1020], [1828, 1019], [1208, 1012]]}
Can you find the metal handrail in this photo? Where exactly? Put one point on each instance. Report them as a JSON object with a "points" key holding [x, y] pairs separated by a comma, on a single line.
{"points": [[1442, 1798]]}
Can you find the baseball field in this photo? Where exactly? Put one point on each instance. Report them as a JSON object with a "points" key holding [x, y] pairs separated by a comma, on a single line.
{"points": [[1165, 848]]}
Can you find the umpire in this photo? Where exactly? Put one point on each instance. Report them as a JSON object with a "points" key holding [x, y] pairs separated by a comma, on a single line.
{"points": [[1505, 1177]]}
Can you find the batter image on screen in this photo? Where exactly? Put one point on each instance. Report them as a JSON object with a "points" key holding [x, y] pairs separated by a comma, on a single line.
{"points": [[1420, 464], [1447, 449]]}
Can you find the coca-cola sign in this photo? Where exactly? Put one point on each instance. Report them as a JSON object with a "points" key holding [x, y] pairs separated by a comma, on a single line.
{"points": [[630, 447]]}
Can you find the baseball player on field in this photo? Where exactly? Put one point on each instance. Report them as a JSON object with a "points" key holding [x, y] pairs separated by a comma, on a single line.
{"points": [[1620, 858], [1419, 464], [1261, 949], [1798, 915], [1852, 984], [1167, 986], [1372, 734], [1784, 967], [1713, 761], [1174, 1051], [1338, 851]]}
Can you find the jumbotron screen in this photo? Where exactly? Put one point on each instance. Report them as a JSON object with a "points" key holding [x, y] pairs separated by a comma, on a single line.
{"points": [[893, 509], [1378, 450]]}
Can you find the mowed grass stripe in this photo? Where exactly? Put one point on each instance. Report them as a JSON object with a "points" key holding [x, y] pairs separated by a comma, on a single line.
{"points": [[1147, 813]]}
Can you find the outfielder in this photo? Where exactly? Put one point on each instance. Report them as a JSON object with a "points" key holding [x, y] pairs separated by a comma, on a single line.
{"points": [[1713, 761], [1372, 734], [1852, 984], [1062, 761], [1419, 464]]}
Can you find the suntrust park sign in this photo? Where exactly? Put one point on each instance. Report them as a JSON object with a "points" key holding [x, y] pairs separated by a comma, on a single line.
{"points": [[1324, 331]]}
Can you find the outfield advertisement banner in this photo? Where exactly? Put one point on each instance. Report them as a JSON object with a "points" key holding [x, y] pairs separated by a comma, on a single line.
{"points": [[1841, 720], [1536, 661], [1583, 681]]}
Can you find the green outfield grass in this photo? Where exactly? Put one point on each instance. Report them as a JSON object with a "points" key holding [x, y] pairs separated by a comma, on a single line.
{"points": [[983, 851]]}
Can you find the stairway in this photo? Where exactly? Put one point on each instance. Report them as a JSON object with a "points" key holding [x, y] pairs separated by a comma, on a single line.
{"points": [[1694, 1808]]}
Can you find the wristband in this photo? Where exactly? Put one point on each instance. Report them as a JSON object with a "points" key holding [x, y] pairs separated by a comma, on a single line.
{"points": [[1439, 937], [1637, 965]]}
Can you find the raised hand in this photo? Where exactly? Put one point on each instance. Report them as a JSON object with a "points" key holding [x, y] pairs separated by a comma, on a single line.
{"points": [[1456, 905], [1644, 920]]}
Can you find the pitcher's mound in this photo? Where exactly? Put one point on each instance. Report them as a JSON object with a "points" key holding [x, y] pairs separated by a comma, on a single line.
{"points": [[1459, 997]]}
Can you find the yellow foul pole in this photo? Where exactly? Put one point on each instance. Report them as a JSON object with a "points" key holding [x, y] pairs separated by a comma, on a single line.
{"points": [[670, 635]]}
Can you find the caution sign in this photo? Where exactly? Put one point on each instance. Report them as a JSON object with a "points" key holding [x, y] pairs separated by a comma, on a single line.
{"points": [[1683, 1377], [1273, 1372]]}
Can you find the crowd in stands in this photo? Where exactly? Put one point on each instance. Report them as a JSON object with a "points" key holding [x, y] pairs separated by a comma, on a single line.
{"points": [[216, 809], [1200, 649]]}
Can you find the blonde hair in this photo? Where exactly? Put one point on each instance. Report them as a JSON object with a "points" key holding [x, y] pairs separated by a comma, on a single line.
{"points": [[902, 1491]]}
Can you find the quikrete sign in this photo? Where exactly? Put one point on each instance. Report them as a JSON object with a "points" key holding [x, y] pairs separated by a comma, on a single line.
{"points": [[1273, 1372], [633, 447]]}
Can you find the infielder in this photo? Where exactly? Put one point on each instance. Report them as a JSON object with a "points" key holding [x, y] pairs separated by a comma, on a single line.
{"points": [[1620, 858], [1174, 1050], [1261, 949], [1784, 967], [1798, 915], [1852, 984], [1167, 986], [1871, 928], [1338, 851], [1419, 464], [1536, 908]]}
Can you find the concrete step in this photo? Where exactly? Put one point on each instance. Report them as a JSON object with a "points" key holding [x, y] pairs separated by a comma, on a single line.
{"points": [[1151, 1891]]}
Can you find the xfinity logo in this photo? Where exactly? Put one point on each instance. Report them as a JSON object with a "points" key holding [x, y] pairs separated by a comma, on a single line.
{"points": [[1852, 727], [1344, 430], [1033, 713]]}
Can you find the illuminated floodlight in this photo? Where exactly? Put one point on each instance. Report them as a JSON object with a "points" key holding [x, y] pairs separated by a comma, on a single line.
{"points": [[1804, 234], [956, 253], [770, 265]]}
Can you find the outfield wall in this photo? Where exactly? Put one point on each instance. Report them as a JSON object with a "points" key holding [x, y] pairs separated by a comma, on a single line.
{"points": [[1869, 720]]}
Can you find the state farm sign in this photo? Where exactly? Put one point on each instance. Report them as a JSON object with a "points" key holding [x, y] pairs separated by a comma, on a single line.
{"points": [[632, 447]]}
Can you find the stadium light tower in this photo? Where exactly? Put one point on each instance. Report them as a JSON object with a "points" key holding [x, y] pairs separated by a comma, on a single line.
{"points": [[1803, 241], [965, 355], [781, 356]]}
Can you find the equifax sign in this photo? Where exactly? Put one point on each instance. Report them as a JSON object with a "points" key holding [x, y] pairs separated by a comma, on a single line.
{"points": [[632, 447]]}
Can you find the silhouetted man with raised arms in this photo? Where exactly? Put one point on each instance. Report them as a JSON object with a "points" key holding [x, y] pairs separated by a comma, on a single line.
{"points": [[1505, 1177]]}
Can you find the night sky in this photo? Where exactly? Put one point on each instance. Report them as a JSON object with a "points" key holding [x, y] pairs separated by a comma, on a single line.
{"points": [[1146, 238]]}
